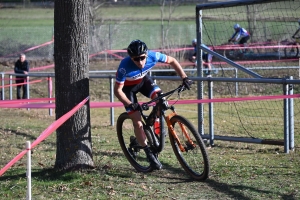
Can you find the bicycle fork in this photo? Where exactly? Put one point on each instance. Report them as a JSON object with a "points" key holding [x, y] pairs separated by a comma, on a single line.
{"points": [[174, 134]]}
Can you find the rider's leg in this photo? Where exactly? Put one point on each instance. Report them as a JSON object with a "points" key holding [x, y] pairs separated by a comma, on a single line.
{"points": [[243, 42], [149, 89], [138, 128], [142, 140], [207, 70]]}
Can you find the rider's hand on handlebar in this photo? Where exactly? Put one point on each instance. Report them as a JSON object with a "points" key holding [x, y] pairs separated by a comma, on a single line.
{"points": [[134, 106], [187, 83], [293, 36], [229, 40]]}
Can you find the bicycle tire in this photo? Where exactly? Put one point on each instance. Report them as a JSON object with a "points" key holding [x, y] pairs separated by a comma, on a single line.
{"points": [[194, 161], [291, 52], [134, 153]]}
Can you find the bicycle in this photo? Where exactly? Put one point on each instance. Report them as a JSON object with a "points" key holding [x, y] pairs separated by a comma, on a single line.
{"points": [[292, 47], [234, 50], [186, 142]]}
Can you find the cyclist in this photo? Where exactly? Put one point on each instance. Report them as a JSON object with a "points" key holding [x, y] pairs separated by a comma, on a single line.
{"points": [[241, 35], [206, 57], [297, 31], [132, 78]]}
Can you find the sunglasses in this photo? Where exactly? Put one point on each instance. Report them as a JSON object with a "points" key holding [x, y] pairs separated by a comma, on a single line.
{"points": [[139, 58]]}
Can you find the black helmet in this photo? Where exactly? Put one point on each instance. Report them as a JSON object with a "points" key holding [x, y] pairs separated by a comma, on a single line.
{"points": [[136, 48]]}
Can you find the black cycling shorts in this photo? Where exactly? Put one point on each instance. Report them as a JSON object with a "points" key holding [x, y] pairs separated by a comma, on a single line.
{"points": [[147, 87]]}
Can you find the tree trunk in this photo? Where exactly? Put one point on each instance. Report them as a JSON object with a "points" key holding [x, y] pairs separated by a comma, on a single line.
{"points": [[71, 55]]}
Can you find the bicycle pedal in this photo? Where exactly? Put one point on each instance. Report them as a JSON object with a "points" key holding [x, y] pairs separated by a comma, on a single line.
{"points": [[137, 149]]}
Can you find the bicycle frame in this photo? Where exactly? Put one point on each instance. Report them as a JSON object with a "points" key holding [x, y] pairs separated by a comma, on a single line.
{"points": [[171, 129], [160, 108]]}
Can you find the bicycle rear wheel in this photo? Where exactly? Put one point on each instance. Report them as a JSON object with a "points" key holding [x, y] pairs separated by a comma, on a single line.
{"points": [[194, 159], [131, 149], [291, 52]]}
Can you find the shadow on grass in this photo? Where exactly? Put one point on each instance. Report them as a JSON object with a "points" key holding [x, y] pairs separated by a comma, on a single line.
{"points": [[49, 174], [169, 175], [27, 136]]}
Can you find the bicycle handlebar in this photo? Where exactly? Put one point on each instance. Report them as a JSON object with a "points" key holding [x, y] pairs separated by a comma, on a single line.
{"points": [[180, 88]]}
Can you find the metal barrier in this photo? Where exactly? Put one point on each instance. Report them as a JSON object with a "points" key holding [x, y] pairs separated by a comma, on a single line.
{"points": [[287, 89]]}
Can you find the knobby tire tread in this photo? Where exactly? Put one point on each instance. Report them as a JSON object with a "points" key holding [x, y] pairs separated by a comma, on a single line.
{"points": [[203, 175], [124, 146]]}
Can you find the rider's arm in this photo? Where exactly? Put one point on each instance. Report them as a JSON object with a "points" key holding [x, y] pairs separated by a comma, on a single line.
{"points": [[176, 66], [120, 94], [233, 36], [297, 31]]}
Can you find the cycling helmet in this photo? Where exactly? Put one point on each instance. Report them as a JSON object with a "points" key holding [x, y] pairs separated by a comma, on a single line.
{"points": [[194, 41], [136, 48], [236, 26]]}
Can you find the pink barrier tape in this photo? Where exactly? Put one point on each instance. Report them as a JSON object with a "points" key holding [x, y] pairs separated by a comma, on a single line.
{"points": [[36, 68], [17, 104], [7, 79], [256, 98], [42, 67], [117, 56], [257, 61], [30, 49], [252, 46], [30, 105], [45, 134], [16, 84], [184, 63], [19, 101], [112, 52], [95, 54]]}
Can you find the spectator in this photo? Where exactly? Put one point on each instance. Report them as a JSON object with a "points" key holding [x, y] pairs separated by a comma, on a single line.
{"points": [[21, 67], [206, 57], [132, 78]]}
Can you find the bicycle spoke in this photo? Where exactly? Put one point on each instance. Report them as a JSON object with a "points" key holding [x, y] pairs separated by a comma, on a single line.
{"points": [[194, 159], [132, 150]]}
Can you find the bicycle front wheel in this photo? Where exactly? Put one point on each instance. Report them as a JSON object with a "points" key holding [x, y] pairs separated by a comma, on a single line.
{"points": [[131, 149], [194, 159], [291, 52]]}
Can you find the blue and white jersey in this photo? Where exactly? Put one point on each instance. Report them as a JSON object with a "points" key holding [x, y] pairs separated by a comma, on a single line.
{"points": [[129, 73], [240, 34]]}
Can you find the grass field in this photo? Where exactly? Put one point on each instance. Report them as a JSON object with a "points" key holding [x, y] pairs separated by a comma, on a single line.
{"points": [[238, 170]]}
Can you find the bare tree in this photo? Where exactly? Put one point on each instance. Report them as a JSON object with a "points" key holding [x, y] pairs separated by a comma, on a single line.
{"points": [[172, 5], [71, 55], [252, 14], [101, 32]]}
